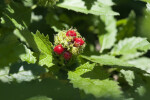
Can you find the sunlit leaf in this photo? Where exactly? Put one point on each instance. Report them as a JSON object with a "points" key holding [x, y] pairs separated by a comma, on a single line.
{"points": [[131, 47], [99, 88], [99, 7], [108, 60], [108, 38]]}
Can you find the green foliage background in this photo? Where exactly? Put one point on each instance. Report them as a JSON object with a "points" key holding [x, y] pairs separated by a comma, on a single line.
{"points": [[115, 64]]}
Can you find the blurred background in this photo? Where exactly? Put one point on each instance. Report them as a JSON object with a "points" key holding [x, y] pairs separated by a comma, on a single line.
{"points": [[49, 19]]}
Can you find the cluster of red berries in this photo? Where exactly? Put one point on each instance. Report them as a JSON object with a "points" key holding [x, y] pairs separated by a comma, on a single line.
{"points": [[59, 49]]}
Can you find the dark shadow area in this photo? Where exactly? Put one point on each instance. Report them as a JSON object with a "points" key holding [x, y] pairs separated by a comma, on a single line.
{"points": [[124, 7], [89, 3], [54, 89], [147, 54], [132, 68], [30, 42], [97, 73], [14, 68], [132, 91], [21, 15], [101, 26], [10, 49], [90, 50], [2, 7], [60, 1], [118, 56], [45, 29], [34, 68]]}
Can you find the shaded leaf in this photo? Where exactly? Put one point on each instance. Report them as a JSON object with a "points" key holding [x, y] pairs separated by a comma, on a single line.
{"points": [[127, 27], [131, 47], [143, 27], [141, 90], [39, 98], [21, 76], [28, 56], [16, 15], [142, 63], [20, 72], [98, 72], [40, 45], [54, 21], [10, 50], [47, 3], [50, 88], [99, 88], [108, 39], [129, 76]]}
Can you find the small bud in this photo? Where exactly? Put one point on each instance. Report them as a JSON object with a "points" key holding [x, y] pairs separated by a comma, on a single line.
{"points": [[67, 55]]}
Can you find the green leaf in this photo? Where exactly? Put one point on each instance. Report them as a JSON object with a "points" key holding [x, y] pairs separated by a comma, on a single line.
{"points": [[16, 15], [99, 88], [129, 99], [28, 56], [126, 26], [108, 38], [148, 7], [100, 7], [40, 45], [108, 60], [141, 90], [146, 1], [26, 37], [142, 63], [38, 42], [44, 49], [21, 76], [143, 27], [6, 32], [39, 98], [131, 47], [50, 88], [9, 53], [54, 21], [47, 2], [2, 7], [28, 3], [129, 76], [98, 72], [144, 90], [136, 82], [10, 50], [20, 72]]}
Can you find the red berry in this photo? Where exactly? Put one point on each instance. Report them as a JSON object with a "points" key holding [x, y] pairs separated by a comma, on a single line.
{"points": [[78, 42], [67, 55], [59, 49], [71, 33]]}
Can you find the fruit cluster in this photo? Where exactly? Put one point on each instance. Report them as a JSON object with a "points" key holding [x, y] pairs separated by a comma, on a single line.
{"points": [[68, 43]]}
